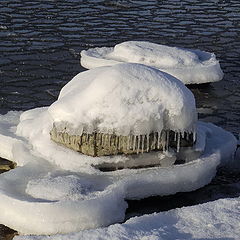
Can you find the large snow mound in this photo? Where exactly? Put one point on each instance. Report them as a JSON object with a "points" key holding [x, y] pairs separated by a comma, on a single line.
{"points": [[124, 99], [59, 191], [190, 66], [214, 220]]}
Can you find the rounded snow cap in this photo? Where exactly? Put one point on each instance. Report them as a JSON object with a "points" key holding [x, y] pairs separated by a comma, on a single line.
{"points": [[124, 99]]}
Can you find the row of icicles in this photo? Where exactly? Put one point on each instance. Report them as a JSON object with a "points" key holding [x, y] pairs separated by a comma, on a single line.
{"points": [[140, 143]]}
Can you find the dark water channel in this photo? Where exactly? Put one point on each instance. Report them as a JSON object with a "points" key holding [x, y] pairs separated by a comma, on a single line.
{"points": [[40, 43]]}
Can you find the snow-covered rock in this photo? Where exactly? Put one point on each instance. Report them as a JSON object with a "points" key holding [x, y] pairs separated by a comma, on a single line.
{"points": [[135, 106], [190, 66], [124, 99]]}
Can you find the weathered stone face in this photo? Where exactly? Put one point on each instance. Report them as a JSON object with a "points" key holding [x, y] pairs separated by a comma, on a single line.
{"points": [[100, 144]]}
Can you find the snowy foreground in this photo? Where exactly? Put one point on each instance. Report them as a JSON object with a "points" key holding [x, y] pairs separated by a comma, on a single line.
{"points": [[189, 66], [214, 220]]}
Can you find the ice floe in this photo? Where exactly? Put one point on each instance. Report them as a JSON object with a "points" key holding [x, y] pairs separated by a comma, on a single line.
{"points": [[190, 66]]}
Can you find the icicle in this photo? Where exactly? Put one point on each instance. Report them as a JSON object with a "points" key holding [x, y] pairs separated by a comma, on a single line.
{"points": [[178, 141], [147, 142], [128, 142], [194, 135], [154, 141], [175, 136], [167, 142], [102, 139], [143, 137], [163, 139], [119, 143], [116, 141], [138, 144], [182, 134], [134, 142], [109, 140], [158, 140], [187, 137], [106, 139]]}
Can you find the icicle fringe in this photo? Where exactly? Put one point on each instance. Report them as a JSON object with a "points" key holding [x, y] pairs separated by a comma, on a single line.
{"points": [[101, 144]]}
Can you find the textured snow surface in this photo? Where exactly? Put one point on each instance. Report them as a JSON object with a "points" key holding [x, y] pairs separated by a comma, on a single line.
{"points": [[190, 66], [124, 99], [59, 191], [214, 220]]}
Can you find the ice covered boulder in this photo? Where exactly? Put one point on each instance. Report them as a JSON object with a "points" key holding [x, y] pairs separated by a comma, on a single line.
{"points": [[190, 66], [126, 108]]}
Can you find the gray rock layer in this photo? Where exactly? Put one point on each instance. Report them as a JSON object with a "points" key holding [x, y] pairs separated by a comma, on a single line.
{"points": [[100, 144]]}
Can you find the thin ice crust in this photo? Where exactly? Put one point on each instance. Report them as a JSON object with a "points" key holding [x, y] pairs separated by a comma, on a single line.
{"points": [[189, 66]]}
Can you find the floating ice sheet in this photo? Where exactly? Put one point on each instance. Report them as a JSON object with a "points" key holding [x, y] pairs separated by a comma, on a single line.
{"points": [[190, 66]]}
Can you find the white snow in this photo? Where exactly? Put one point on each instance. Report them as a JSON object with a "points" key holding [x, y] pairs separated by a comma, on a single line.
{"points": [[59, 191], [8, 139], [190, 66], [219, 219], [124, 99], [57, 207]]}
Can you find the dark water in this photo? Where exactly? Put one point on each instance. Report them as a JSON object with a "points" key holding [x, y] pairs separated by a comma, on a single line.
{"points": [[40, 43]]}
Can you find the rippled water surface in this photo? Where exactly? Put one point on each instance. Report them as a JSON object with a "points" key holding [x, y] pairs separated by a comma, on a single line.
{"points": [[40, 43]]}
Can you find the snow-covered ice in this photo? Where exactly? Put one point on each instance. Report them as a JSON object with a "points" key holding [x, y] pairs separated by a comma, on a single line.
{"points": [[219, 219], [63, 192], [56, 190], [190, 66]]}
